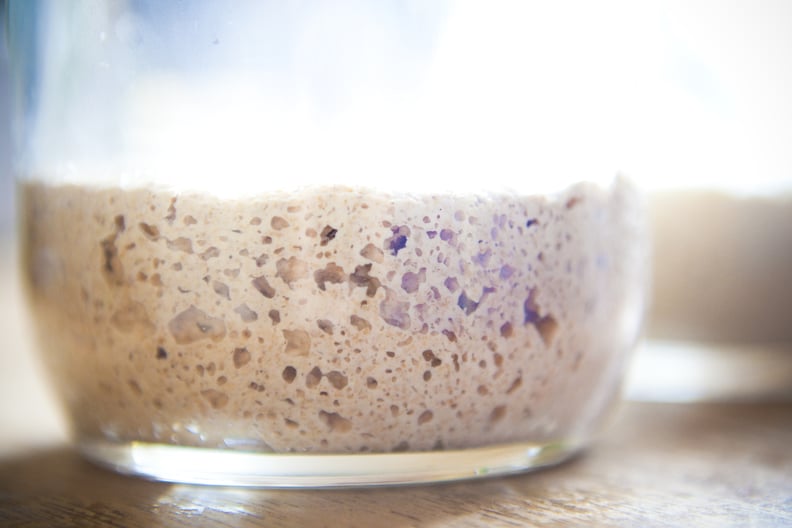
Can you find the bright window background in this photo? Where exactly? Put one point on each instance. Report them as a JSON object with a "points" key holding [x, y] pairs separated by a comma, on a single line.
{"points": [[674, 93]]}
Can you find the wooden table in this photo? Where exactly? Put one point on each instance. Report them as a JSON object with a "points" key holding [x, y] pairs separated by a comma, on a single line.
{"points": [[659, 464]]}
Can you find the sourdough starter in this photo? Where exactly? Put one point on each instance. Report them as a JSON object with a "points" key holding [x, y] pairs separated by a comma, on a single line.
{"points": [[334, 319]]}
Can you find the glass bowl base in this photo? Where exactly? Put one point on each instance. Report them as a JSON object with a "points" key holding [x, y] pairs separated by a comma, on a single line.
{"points": [[226, 467]]}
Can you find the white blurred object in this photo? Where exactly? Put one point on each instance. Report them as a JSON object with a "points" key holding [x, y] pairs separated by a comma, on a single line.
{"points": [[528, 95], [669, 371], [35, 420]]}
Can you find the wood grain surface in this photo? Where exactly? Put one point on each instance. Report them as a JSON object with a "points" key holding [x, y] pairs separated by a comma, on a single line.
{"points": [[657, 465]]}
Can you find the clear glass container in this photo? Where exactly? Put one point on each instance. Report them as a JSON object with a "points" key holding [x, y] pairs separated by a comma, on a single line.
{"points": [[283, 244]]}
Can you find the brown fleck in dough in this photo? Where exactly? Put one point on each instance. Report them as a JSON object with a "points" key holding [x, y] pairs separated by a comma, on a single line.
{"points": [[328, 233], [209, 253], [112, 268], [291, 270], [150, 231], [516, 384], [325, 325], [547, 328], [331, 273], [181, 244], [298, 342], [498, 413], [361, 277], [360, 323], [373, 253], [278, 222], [216, 399], [263, 286], [120, 223], [313, 377], [132, 316], [221, 289], [425, 417], [193, 325], [241, 357], [289, 373], [245, 313], [335, 422], [171, 211], [337, 379]]}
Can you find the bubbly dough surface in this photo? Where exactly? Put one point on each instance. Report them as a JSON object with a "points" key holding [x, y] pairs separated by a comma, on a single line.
{"points": [[333, 319]]}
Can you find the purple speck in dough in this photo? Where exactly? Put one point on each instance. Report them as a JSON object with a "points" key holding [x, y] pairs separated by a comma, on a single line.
{"points": [[530, 309], [398, 242], [506, 271], [399, 239], [482, 258], [466, 303]]}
